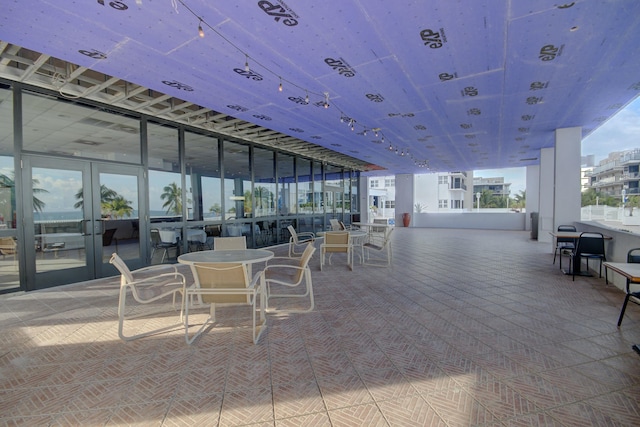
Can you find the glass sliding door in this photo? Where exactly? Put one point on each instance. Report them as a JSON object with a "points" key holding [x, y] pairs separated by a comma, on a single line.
{"points": [[77, 213]]}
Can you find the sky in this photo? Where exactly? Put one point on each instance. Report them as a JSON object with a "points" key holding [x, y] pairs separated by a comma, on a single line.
{"points": [[621, 132]]}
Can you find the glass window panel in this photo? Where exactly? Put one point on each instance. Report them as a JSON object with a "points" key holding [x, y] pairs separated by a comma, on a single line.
{"points": [[334, 190], [9, 277], [286, 185], [165, 189], [204, 199], [70, 129], [318, 185], [237, 181], [305, 187], [264, 191]]}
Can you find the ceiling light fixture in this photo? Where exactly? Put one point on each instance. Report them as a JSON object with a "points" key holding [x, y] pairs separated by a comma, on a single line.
{"points": [[306, 98], [200, 30], [326, 100], [246, 63], [280, 85]]}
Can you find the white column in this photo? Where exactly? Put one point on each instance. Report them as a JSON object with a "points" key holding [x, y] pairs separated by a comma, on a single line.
{"points": [[567, 197], [546, 185], [404, 196], [532, 193]]}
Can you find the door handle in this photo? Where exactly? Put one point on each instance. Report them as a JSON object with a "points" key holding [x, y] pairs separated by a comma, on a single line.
{"points": [[85, 227]]}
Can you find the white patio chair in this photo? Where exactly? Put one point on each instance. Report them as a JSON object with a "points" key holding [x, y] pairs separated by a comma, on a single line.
{"points": [[230, 243], [223, 283], [380, 247], [336, 242], [335, 225], [291, 272], [147, 285], [299, 239]]}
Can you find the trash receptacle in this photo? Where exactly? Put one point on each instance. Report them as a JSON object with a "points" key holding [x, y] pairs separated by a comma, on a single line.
{"points": [[534, 225]]}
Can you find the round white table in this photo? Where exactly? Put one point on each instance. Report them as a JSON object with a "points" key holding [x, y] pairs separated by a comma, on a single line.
{"points": [[245, 256]]}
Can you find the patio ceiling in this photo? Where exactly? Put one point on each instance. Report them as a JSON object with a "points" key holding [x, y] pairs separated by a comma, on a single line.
{"points": [[452, 85]]}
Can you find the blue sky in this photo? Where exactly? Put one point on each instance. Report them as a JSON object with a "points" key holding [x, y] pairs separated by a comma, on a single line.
{"points": [[621, 132]]}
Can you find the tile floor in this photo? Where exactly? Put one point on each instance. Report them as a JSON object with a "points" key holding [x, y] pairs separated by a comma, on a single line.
{"points": [[467, 328]]}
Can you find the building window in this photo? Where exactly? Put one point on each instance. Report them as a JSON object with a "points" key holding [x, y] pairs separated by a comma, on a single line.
{"points": [[443, 179], [443, 204], [374, 183], [390, 182], [389, 204]]}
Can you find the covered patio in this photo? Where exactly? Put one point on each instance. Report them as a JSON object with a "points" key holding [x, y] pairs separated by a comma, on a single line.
{"points": [[468, 327]]}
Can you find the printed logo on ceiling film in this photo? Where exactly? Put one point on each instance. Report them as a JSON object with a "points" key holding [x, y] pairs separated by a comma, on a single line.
{"points": [[177, 85], [538, 85], [375, 97], [117, 5], [474, 111], [446, 76], [342, 66], [550, 52], [249, 74], [238, 108], [469, 91], [94, 54], [433, 39], [280, 11], [262, 117], [298, 100]]}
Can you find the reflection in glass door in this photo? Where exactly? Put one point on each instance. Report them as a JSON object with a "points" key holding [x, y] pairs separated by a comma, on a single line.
{"points": [[77, 214]]}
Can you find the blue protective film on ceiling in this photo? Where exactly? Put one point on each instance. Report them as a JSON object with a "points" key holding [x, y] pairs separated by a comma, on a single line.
{"points": [[457, 85]]}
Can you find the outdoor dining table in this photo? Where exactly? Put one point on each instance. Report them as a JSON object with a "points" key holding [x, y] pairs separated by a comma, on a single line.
{"points": [[244, 256]]}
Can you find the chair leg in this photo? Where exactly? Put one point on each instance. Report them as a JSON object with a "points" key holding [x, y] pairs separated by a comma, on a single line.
{"points": [[624, 307]]}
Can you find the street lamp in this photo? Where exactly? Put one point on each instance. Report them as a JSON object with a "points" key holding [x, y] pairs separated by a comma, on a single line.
{"points": [[478, 199]]}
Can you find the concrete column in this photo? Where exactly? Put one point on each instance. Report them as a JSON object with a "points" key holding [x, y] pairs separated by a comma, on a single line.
{"points": [[546, 186], [567, 196], [532, 193], [404, 196]]}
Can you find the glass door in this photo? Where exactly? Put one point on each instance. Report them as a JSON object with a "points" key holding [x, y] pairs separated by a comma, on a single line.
{"points": [[77, 213]]}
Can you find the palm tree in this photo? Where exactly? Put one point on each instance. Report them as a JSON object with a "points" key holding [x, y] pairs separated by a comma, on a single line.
{"points": [[106, 196], [173, 196], [9, 182], [520, 200], [419, 207], [216, 209], [119, 207]]}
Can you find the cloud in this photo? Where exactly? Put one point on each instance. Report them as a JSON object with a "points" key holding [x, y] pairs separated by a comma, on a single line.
{"points": [[621, 132]]}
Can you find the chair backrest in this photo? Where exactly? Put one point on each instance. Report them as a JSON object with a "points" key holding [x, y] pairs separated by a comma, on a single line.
{"points": [[293, 233], [342, 226], [304, 261], [156, 240], [230, 243], [590, 243], [213, 230], [336, 238], [125, 273], [633, 256], [335, 224], [107, 236], [8, 245], [208, 275], [566, 228]]}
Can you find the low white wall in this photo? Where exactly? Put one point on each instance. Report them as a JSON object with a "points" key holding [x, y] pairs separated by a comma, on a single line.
{"points": [[477, 220]]}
